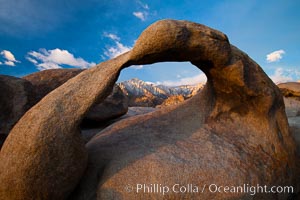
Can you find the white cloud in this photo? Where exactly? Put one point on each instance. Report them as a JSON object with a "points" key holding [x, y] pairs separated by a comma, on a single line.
{"points": [[9, 63], [275, 56], [8, 56], [112, 36], [281, 76], [140, 15], [143, 12], [53, 59], [200, 78], [48, 65], [117, 49], [31, 60], [10, 59]]}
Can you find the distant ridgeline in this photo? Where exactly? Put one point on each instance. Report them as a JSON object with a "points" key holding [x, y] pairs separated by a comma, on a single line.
{"points": [[145, 94]]}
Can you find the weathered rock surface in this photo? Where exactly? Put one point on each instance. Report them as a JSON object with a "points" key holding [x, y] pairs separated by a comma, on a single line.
{"points": [[16, 98], [290, 89], [44, 156], [19, 95], [292, 106], [291, 92], [48, 80], [211, 138], [234, 132], [115, 105], [89, 132], [133, 111]]}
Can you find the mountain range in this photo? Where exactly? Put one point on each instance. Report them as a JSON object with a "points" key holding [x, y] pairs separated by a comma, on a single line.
{"points": [[141, 93]]}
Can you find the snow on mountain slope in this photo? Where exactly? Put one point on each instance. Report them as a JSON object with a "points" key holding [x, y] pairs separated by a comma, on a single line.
{"points": [[138, 87]]}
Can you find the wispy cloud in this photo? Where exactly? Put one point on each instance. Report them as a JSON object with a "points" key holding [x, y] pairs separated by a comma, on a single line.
{"points": [[140, 15], [275, 56], [143, 13], [200, 78], [53, 59], [9, 58], [9, 63], [111, 36], [117, 49], [143, 5], [32, 60], [283, 75]]}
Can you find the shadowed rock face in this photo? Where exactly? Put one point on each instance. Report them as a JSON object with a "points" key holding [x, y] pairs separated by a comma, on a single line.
{"points": [[234, 132], [19, 95], [291, 93], [115, 105], [16, 98], [48, 80], [44, 156]]}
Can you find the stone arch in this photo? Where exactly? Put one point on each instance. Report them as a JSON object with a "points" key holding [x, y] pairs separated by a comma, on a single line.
{"points": [[44, 157], [183, 77]]}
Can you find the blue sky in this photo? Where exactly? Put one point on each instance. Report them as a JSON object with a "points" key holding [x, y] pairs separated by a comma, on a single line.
{"points": [[44, 34]]}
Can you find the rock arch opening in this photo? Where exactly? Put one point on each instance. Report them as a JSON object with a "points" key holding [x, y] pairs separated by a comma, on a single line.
{"points": [[236, 119], [161, 84]]}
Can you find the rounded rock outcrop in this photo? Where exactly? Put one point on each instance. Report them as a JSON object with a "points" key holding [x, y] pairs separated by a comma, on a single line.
{"points": [[290, 89], [291, 93], [115, 105], [16, 98], [48, 80], [235, 131]]}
